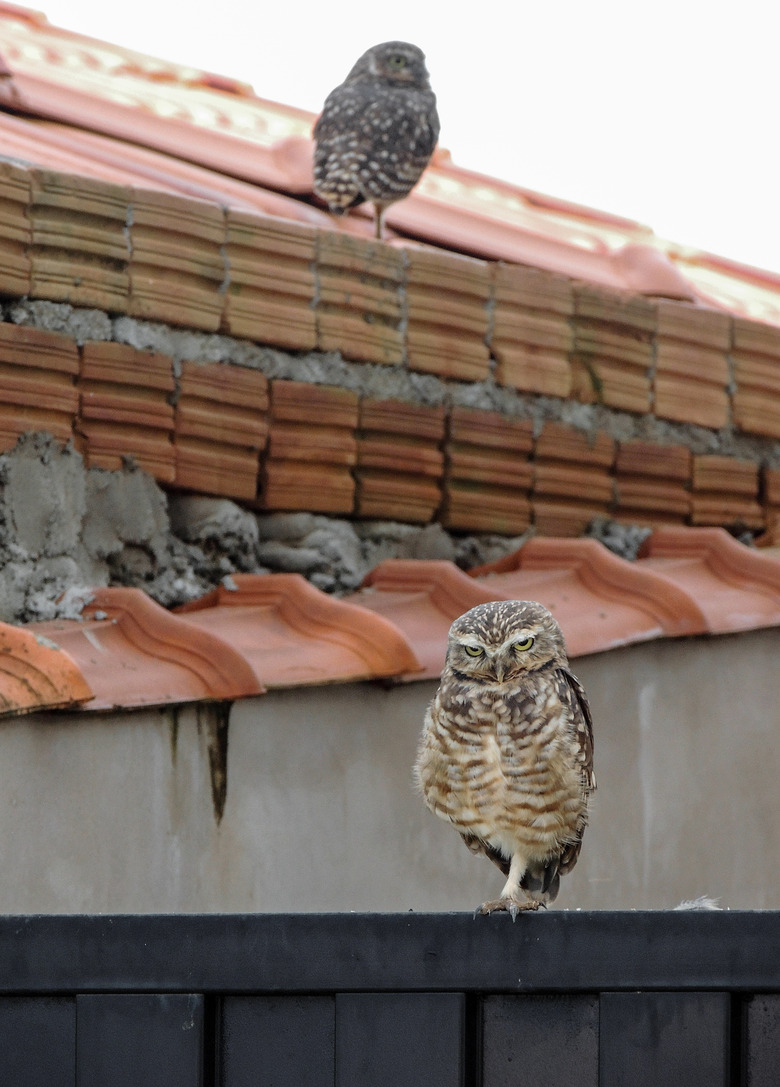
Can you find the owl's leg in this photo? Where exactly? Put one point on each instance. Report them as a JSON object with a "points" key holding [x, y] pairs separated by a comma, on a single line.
{"points": [[513, 898], [379, 211]]}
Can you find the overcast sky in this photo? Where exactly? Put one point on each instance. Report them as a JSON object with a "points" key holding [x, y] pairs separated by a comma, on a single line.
{"points": [[664, 112]]}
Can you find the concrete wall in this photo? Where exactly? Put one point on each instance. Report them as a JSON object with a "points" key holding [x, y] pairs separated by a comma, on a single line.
{"points": [[120, 812]]}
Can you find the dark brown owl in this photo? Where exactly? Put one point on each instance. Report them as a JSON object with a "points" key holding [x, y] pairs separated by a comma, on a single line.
{"points": [[506, 753], [377, 131]]}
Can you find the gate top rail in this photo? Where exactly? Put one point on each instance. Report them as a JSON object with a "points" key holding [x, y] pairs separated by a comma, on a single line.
{"points": [[558, 951]]}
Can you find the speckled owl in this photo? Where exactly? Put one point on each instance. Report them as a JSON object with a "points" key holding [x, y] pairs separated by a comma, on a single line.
{"points": [[506, 753], [377, 131]]}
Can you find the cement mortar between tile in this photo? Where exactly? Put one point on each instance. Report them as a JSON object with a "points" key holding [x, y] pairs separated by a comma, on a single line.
{"points": [[388, 382]]}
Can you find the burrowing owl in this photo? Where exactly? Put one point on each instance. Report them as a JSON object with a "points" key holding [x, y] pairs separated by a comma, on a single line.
{"points": [[506, 753], [377, 131]]}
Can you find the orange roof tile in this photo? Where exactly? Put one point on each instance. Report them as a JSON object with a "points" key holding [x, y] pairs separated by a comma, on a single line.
{"points": [[136, 653], [292, 634], [277, 630], [103, 111], [36, 674], [737, 588]]}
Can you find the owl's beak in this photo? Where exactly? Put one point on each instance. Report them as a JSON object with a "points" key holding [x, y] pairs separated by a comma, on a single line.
{"points": [[500, 673]]}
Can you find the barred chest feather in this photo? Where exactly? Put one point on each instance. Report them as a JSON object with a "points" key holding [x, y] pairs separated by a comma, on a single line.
{"points": [[503, 766]]}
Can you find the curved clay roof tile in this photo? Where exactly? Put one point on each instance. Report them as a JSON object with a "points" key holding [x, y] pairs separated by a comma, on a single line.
{"points": [[36, 674], [294, 634]]}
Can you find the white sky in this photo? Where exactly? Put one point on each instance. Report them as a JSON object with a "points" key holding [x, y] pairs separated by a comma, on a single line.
{"points": [[665, 112]]}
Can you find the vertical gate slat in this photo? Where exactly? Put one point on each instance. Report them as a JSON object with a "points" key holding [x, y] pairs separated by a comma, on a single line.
{"points": [[761, 1041], [665, 1039], [277, 1041], [154, 1039], [552, 1040], [388, 1039], [37, 1041]]}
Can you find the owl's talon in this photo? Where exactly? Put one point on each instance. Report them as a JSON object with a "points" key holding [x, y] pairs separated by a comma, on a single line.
{"points": [[512, 906]]}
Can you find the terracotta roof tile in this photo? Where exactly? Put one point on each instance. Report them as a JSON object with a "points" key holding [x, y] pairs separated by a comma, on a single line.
{"points": [[651, 482], [79, 246], [272, 282], [292, 634], [359, 301], [488, 472], [36, 674], [724, 491], [221, 427], [177, 267], [124, 408], [692, 374], [312, 446], [532, 336], [447, 311], [600, 599], [136, 653], [15, 231], [572, 481], [756, 398], [117, 107], [399, 460], [279, 631], [613, 350], [37, 383], [422, 598], [737, 588]]}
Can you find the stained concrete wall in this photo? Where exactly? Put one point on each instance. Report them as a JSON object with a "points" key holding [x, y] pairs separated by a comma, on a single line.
{"points": [[121, 812]]}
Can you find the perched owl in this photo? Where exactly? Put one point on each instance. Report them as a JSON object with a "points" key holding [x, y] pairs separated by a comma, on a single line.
{"points": [[506, 753], [377, 131]]}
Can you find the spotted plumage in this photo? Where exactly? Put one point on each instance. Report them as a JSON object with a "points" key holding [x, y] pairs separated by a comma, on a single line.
{"points": [[506, 753], [377, 131]]}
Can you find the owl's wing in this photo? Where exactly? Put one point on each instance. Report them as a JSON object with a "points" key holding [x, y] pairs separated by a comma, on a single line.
{"points": [[583, 724], [477, 845]]}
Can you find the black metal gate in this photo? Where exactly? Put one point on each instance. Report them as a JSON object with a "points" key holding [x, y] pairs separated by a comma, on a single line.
{"points": [[373, 1000]]}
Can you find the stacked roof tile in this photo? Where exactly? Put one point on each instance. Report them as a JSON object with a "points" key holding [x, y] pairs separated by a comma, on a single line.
{"points": [[756, 354], [15, 232], [127, 208], [572, 479], [221, 427], [532, 337], [38, 371], [447, 312], [272, 281], [359, 305], [125, 408], [652, 483], [312, 448], [692, 373], [724, 490], [488, 472], [79, 248], [177, 267], [399, 460], [613, 350]]}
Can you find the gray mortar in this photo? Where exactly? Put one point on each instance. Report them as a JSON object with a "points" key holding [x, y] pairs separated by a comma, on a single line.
{"points": [[398, 383], [64, 528], [78, 323]]}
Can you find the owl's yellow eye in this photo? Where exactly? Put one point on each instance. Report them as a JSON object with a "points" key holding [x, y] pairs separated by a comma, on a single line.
{"points": [[397, 60], [473, 651], [525, 644]]}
